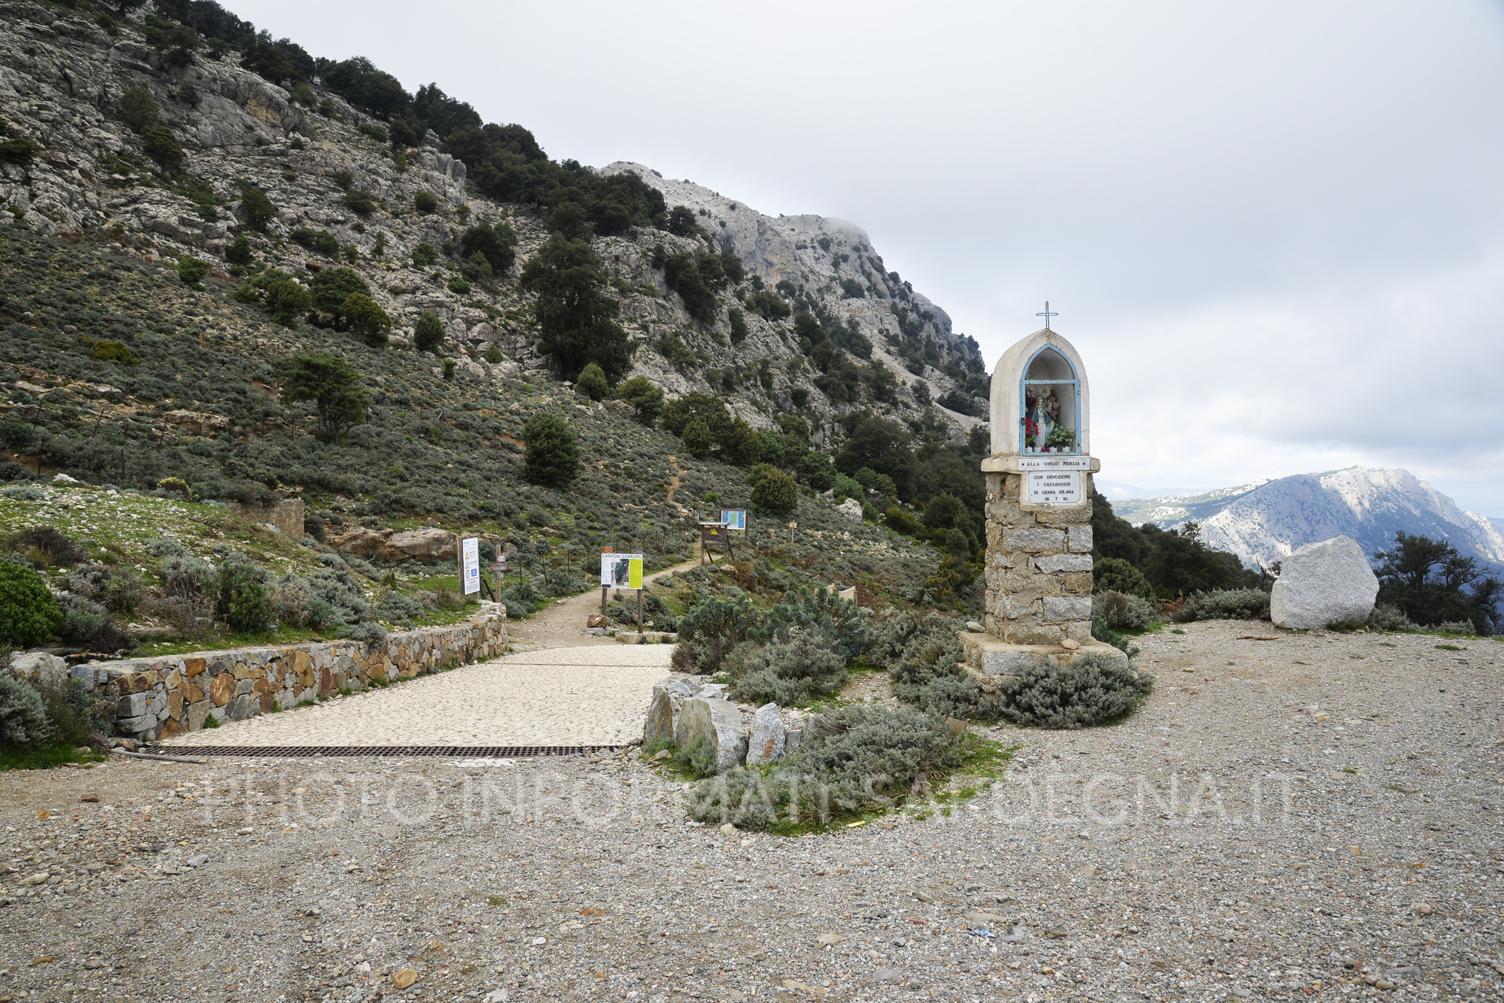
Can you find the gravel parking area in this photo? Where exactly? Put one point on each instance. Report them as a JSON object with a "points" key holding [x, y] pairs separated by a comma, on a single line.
{"points": [[593, 695], [1312, 816]]}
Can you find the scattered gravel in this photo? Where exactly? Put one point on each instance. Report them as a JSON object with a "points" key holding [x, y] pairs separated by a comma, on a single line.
{"points": [[1335, 832]]}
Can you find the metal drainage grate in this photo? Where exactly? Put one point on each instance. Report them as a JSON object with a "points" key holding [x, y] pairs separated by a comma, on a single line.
{"points": [[381, 751]]}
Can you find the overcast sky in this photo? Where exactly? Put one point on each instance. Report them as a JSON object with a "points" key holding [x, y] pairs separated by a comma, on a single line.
{"points": [[1275, 231]]}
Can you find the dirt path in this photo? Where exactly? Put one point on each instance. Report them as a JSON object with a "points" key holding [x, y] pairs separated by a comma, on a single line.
{"points": [[675, 482], [563, 623]]}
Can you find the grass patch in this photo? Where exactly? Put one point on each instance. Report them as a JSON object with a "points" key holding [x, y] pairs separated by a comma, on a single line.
{"points": [[1450, 647], [45, 757]]}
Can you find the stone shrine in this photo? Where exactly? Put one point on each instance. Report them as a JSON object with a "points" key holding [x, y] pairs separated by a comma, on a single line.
{"points": [[1039, 484]]}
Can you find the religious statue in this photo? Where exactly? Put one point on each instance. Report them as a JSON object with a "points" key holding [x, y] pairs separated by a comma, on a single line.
{"points": [[1041, 415]]}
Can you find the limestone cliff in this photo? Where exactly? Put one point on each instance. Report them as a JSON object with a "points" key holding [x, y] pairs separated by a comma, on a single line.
{"points": [[70, 163]]}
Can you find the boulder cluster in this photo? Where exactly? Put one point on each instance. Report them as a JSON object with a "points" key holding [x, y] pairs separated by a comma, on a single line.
{"points": [[692, 714]]}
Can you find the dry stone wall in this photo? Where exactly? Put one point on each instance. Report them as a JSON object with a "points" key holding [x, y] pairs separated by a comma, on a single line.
{"points": [[167, 695]]}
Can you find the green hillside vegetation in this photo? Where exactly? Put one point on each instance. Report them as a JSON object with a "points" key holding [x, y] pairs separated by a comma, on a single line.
{"points": [[426, 448]]}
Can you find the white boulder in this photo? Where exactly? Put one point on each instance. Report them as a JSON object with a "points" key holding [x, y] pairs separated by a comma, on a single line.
{"points": [[851, 509], [1322, 584]]}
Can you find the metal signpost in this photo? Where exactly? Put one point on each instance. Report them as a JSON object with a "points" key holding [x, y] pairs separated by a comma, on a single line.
{"points": [[622, 571]]}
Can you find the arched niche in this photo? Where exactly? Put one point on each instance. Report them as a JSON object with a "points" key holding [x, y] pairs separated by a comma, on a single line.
{"points": [[1039, 388]]}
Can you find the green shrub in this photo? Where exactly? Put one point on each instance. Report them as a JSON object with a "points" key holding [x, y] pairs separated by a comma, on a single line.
{"points": [[238, 251], [28, 613], [87, 625], [592, 382], [773, 491], [256, 210], [23, 715], [18, 151], [331, 287], [424, 255], [365, 318], [1113, 574], [891, 636], [931, 674], [1386, 617], [282, 296], [644, 396], [1122, 611], [1091, 690], [708, 632], [46, 546], [110, 350], [321, 241], [192, 270], [842, 621], [360, 202], [863, 759], [138, 109], [1102, 631], [817, 470], [699, 441], [74, 715], [789, 671], [1226, 604], [552, 458], [242, 600], [162, 146], [428, 333], [304, 95], [496, 243], [426, 203]]}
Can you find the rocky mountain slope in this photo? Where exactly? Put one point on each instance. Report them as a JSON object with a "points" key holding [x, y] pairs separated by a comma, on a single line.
{"points": [[73, 160], [1261, 523]]}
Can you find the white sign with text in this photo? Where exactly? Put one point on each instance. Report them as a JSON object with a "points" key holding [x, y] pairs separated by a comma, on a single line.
{"points": [[470, 565], [1053, 487]]}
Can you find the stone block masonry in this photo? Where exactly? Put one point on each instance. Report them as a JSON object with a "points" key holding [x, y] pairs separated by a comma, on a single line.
{"points": [[169, 694], [1038, 567]]}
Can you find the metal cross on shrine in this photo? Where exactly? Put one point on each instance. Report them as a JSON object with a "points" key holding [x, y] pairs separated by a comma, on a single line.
{"points": [[1047, 314]]}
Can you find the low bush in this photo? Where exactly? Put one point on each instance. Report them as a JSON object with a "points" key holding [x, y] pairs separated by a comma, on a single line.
{"points": [[87, 625], [863, 759], [892, 635], [426, 203], [320, 241], [1386, 617], [23, 714], [644, 396], [931, 674], [191, 270], [1122, 611], [1226, 604], [773, 491], [1091, 690], [841, 621], [709, 631], [46, 547], [365, 318], [242, 600], [790, 671], [74, 715], [1113, 574], [592, 382], [428, 333], [551, 458], [360, 202], [29, 615], [110, 350]]}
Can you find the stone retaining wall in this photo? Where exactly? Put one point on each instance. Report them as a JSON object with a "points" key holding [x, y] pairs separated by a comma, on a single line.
{"points": [[169, 694]]}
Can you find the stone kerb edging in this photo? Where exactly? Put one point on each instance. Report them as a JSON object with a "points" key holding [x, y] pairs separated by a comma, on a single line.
{"points": [[167, 695]]}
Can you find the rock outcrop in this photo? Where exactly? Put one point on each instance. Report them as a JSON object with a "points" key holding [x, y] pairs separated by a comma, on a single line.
{"points": [[1322, 584]]}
